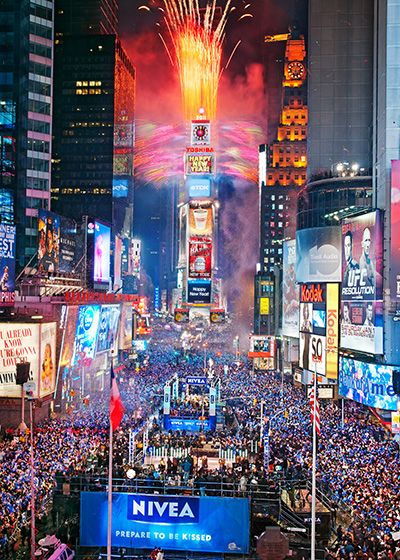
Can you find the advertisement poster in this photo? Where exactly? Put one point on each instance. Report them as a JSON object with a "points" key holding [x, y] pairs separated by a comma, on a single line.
{"points": [[181, 315], [202, 164], [117, 262], [332, 330], [126, 327], [102, 239], [217, 316], [290, 291], [369, 384], [7, 265], [31, 343], [262, 346], [48, 366], [318, 255], [199, 292], [200, 220], [200, 257], [361, 293], [86, 332], [313, 327], [49, 241], [395, 232], [198, 188], [206, 524], [108, 328]]}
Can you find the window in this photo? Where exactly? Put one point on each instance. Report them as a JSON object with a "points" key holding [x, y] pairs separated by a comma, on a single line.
{"points": [[40, 30], [40, 50], [39, 107], [38, 126], [39, 69]]}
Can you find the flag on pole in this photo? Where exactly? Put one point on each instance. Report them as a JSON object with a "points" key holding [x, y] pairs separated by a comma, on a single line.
{"points": [[116, 406], [315, 406]]}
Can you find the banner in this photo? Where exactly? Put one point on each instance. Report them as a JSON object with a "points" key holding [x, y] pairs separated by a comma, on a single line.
{"points": [[217, 316], [200, 219], [202, 164], [318, 255], [199, 292], [7, 267], [32, 343], [290, 291], [108, 328], [200, 256], [198, 188], [172, 522], [213, 401], [361, 293], [369, 384], [313, 327], [86, 332], [262, 346], [57, 243], [200, 133], [332, 330], [167, 399], [102, 247]]}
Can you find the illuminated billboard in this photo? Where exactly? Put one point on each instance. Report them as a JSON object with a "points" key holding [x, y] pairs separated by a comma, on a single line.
{"points": [[200, 219], [32, 343], [262, 346], [7, 266], [181, 315], [318, 255], [395, 232], [102, 242], [108, 328], [206, 524], [198, 188], [361, 293], [200, 133], [217, 316], [290, 291], [369, 384], [200, 163], [313, 327], [57, 243], [117, 262], [86, 332], [125, 338], [120, 188], [200, 257], [199, 291]]}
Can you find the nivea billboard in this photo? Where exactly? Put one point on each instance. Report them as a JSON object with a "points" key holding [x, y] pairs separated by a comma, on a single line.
{"points": [[173, 522]]}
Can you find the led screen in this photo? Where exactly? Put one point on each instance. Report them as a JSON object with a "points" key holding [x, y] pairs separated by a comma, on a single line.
{"points": [[102, 238]]}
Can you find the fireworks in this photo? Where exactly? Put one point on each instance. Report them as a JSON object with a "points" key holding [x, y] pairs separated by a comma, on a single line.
{"points": [[197, 38]]}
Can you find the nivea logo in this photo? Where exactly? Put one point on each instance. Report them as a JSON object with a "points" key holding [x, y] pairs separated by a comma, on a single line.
{"points": [[163, 509], [196, 380]]}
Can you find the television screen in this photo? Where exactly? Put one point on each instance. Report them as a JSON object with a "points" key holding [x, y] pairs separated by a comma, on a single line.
{"points": [[319, 318]]}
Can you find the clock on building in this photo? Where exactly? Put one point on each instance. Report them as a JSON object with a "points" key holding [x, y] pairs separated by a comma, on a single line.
{"points": [[296, 70]]}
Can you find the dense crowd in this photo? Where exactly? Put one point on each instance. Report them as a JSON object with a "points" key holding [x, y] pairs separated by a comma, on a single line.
{"points": [[357, 462]]}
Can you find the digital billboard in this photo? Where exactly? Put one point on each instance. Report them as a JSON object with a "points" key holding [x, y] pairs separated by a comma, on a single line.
{"points": [[217, 316], [57, 243], [108, 328], [117, 262], [86, 332], [318, 255], [369, 384], [262, 346], [200, 257], [7, 266], [200, 133], [313, 327], [290, 291], [199, 291], [200, 219], [32, 343], [198, 188], [206, 524], [102, 241], [202, 164], [361, 293], [332, 330], [181, 315], [120, 188], [395, 232], [125, 339]]}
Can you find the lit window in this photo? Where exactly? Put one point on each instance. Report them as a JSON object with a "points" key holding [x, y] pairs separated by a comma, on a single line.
{"points": [[98, 84], [78, 84], [92, 84]]}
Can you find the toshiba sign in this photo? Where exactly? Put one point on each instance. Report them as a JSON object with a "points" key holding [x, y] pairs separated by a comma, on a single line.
{"points": [[312, 293]]}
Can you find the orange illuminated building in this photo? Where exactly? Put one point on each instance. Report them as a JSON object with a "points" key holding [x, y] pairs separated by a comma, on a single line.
{"points": [[287, 161]]}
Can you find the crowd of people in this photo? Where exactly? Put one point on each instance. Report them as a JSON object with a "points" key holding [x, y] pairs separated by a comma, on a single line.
{"points": [[357, 461]]}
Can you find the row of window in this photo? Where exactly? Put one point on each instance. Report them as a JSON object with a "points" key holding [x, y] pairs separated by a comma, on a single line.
{"points": [[296, 159], [38, 164], [38, 126], [295, 150], [40, 50], [39, 146], [32, 202], [296, 177], [41, 11], [40, 69], [37, 184], [40, 107], [86, 84], [90, 91], [40, 88], [81, 191], [40, 30]]}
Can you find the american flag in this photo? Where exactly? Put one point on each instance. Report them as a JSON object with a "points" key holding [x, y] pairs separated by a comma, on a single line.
{"points": [[315, 406]]}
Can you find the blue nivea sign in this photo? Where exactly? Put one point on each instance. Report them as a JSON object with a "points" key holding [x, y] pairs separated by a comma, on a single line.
{"points": [[163, 509]]}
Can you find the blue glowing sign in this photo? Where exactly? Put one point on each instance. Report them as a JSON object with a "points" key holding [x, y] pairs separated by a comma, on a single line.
{"points": [[201, 381], [188, 424], [192, 523], [199, 188]]}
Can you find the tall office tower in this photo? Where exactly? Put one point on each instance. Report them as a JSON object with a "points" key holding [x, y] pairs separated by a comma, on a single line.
{"points": [[282, 171], [340, 51], [84, 17], [26, 83], [386, 157], [94, 130]]}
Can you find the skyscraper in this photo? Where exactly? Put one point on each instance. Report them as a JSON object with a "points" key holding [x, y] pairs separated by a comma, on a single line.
{"points": [[26, 92]]}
